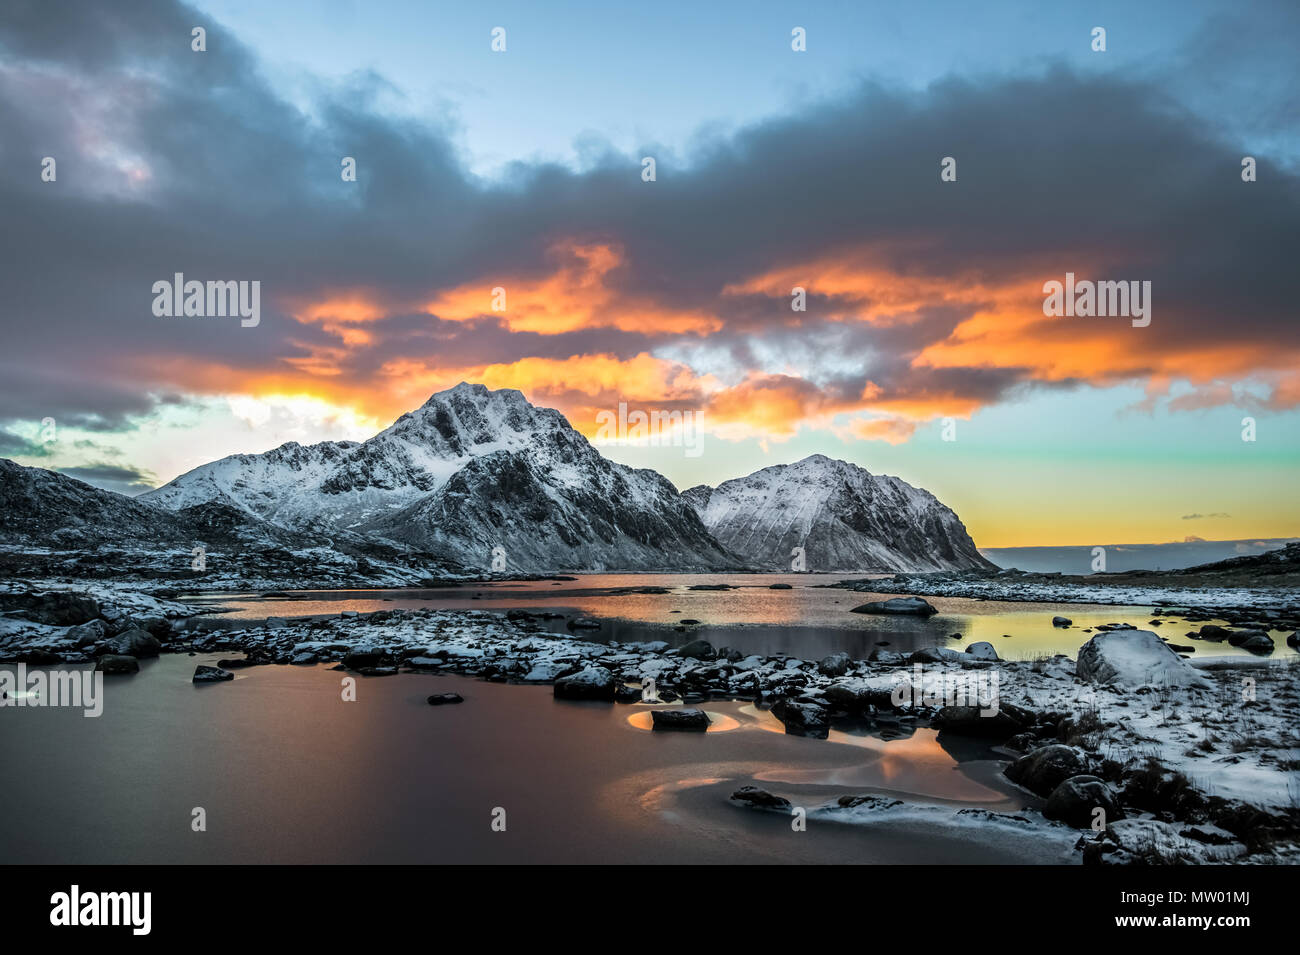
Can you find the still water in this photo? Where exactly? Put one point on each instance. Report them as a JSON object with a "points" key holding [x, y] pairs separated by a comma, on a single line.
{"points": [[810, 620], [285, 771]]}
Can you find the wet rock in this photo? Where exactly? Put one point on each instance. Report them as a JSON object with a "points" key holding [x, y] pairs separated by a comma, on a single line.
{"points": [[1293, 639], [1059, 621], [362, 658], [909, 606], [711, 587], [803, 718], [40, 656], [206, 674], [1075, 800], [593, 683], [837, 664], [137, 643], [275, 623], [1046, 768], [779, 587], [755, 798], [983, 651], [443, 699], [627, 694], [698, 649], [87, 634], [57, 608], [112, 663], [686, 720], [1214, 632], [1257, 642], [583, 623], [1003, 723], [238, 664]]}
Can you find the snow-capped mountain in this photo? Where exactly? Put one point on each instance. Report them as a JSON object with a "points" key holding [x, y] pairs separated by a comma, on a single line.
{"points": [[844, 518], [482, 477]]}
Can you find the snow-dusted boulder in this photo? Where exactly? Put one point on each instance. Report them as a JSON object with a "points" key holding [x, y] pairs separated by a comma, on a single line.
{"points": [[593, 683], [983, 651], [1134, 658]]}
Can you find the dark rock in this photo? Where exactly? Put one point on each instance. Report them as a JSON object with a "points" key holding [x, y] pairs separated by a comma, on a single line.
{"points": [[583, 623], [689, 720], [1061, 621], [627, 694], [837, 664], [137, 643], [1214, 632], [442, 699], [593, 683], [1007, 721], [803, 718], [57, 608], [1046, 768], [911, 606], [87, 634], [1075, 799], [756, 798], [363, 658], [1257, 642], [698, 649], [206, 674], [113, 663], [779, 587]]}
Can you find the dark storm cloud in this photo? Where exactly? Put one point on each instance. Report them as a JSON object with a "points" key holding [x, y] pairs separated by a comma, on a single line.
{"points": [[171, 160], [124, 480]]}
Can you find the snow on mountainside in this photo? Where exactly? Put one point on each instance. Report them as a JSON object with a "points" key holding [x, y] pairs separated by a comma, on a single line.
{"points": [[470, 471], [844, 517]]}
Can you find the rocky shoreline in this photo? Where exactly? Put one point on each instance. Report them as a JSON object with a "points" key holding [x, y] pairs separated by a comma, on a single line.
{"points": [[1185, 763]]}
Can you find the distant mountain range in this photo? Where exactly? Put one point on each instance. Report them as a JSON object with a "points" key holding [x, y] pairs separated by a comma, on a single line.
{"points": [[483, 480]]}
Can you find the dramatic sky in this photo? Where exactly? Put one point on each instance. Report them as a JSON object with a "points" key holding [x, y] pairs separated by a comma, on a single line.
{"points": [[522, 169]]}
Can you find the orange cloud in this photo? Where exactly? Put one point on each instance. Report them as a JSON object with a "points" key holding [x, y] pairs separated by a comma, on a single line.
{"points": [[575, 296]]}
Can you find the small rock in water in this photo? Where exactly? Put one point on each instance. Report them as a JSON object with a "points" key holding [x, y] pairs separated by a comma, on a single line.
{"points": [[910, 606], [688, 720], [583, 623], [117, 663], [983, 651], [779, 587], [207, 674], [441, 699], [1061, 621], [756, 798]]}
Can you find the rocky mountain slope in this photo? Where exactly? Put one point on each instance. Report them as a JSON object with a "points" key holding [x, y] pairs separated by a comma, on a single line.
{"points": [[844, 518], [482, 477]]}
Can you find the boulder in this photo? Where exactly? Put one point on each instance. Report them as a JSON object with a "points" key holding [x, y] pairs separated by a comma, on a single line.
{"points": [[1075, 800], [1006, 722], [1293, 640], [1061, 621], [1046, 768], [803, 718], [112, 663], [206, 674], [688, 720], [1256, 641], [593, 683], [57, 608], [909, 606], [837, 664], [363, 658], [137, 643], [1134, 658], [583, 623], [698, 649], [87, 634], [1214, 632], [983, 651]]}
